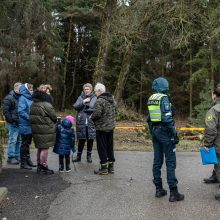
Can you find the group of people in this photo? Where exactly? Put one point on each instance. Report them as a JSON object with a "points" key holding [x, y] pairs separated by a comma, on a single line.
{"points": [[30, 114]]}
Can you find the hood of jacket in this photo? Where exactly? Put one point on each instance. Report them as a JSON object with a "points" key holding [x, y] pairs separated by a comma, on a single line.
{"points": [[66, 123], [14, 94], [39, 96], [107, 96], [160, 84], [84, 96], [24, 91]]}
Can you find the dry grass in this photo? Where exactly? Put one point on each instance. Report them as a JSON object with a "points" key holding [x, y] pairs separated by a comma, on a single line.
{"points": [[129, 141]]}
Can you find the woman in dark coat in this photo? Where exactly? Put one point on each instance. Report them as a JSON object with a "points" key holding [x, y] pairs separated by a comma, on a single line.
{"points": [[85, 128], [43, 123]]}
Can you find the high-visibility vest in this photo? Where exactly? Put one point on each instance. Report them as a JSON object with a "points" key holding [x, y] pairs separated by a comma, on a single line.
{"points": [[154, 107]]}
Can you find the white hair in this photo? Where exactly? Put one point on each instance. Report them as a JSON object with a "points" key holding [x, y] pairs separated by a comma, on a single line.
{"points": [[100, 87]]}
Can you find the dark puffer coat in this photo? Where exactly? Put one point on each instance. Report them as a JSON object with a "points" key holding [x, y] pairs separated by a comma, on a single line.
{"points": [[43, 120], [10, 107], [82, 118], [104, 113], [65, 139]]}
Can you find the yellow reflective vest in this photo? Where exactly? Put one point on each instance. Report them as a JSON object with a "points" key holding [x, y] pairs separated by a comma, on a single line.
{"points": [[154, 107]]}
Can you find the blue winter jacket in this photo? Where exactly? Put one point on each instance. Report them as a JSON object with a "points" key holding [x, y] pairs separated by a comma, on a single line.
{"points": [[24, 103], [65, 138]]}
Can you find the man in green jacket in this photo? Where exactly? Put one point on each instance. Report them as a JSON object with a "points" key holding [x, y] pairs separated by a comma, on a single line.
{"points": [[212, 131], [104, 119]]}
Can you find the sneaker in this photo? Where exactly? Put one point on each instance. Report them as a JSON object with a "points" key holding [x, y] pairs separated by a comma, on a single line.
{"points": [[12, 161], [68, 169], [61, 170]]}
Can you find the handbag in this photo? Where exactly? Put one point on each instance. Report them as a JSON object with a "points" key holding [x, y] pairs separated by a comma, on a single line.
{"points": [[209, 157]]}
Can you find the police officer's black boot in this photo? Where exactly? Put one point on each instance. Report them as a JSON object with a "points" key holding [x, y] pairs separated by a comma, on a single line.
{"points": [[29, 162], [175, 195], [111, 167], [78, 157], [160, 191], [89, 157], [212, 178], [24, 164], [103, 170]]}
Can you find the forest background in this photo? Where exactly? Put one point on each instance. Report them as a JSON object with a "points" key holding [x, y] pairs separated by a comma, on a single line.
{"points": [[123, 44]]}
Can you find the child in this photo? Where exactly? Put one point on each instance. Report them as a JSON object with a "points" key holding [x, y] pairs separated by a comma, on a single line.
{"points": [[65, 142]]}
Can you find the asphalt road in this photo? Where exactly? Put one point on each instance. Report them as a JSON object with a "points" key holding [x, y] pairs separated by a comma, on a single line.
{"points": [[129, 193]]}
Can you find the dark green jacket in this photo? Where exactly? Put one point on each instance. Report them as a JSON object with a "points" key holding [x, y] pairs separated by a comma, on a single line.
{"points": [[104, 113], [43, 120], [212, 130]]}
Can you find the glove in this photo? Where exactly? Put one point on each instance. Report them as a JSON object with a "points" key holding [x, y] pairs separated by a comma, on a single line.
{"points": [[175, 139], [74, 149]]}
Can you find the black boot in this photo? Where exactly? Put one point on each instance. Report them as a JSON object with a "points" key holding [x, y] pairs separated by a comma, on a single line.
{"points": [[175, 195], [38, 168], [61, 164], [160, 191], [89, 157], [29, 162], [103, 170], [24, 164], [78, 158], [212, 178], [68, 169], [217, 197], [46, 170], [111, 167]]}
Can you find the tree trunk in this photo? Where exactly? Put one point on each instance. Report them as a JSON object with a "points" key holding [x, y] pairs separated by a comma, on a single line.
{"points": [[100, 66], [123, 73], [190, 87], [128, 53], [65, 65], [211, 65]]}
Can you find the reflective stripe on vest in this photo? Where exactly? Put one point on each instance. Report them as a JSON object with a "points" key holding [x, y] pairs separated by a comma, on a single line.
{"points": [[154, 107]]}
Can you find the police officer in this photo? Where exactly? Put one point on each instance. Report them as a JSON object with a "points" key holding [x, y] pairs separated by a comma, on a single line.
{"points": [[213, 178], [212, 130], [164, 137]]}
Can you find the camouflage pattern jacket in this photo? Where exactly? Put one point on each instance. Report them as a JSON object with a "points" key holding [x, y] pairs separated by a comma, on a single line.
{"points": [[212, 130], [104, 113]]}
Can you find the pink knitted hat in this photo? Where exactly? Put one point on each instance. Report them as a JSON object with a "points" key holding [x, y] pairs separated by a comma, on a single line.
{"points": [[70, 118]]}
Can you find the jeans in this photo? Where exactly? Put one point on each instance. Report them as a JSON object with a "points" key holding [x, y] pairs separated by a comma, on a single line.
{"points": [[163, 145], [14, 141]]}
